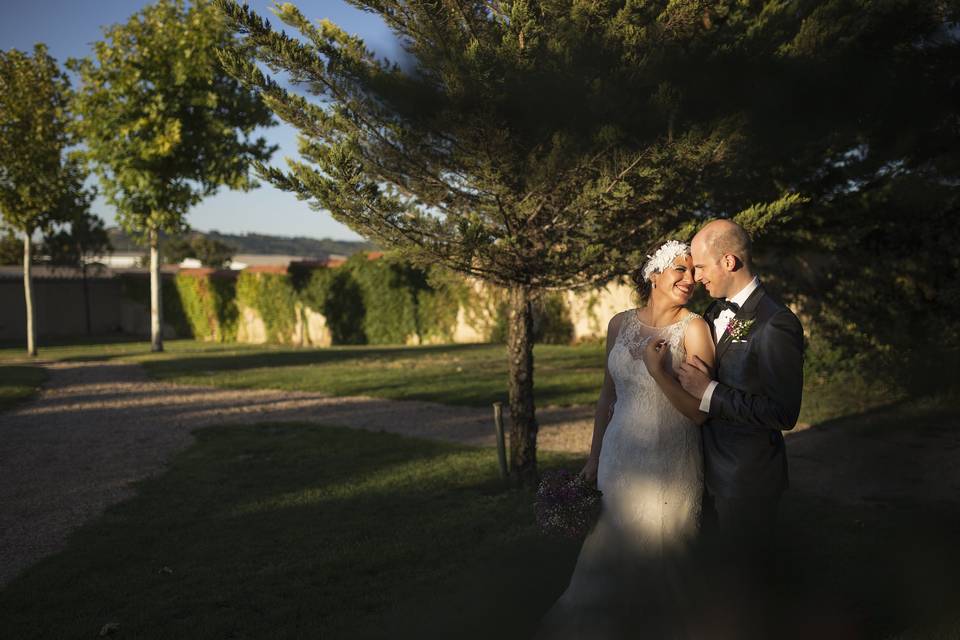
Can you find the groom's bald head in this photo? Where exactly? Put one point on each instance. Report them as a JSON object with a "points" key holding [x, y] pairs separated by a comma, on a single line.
{"points": [[722, 258], [723, 237]]}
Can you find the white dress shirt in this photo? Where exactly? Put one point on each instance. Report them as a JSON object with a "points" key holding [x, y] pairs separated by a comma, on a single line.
{"points": [[720, 324]]}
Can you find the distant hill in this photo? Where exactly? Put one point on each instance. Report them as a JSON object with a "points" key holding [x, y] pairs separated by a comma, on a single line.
{"points": [[260, 243]]}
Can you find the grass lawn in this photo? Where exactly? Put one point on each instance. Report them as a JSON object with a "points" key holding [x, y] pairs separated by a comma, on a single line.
{"points": [[19, 382], [460, 374], [305, 531], [288, 531]]}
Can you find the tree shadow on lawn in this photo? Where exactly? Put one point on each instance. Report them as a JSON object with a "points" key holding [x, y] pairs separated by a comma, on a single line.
{"points": [[279, 531], [305, 531]]}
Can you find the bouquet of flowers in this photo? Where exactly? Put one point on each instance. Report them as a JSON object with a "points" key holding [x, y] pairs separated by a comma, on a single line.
{"points": [[566, 506]]}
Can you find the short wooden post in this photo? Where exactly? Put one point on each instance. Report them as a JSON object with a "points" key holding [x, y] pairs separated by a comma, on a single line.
{"points": [[501, 445]]}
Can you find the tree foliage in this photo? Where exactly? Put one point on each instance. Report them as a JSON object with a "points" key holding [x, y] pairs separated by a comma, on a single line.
{"points": [[209, 251], [162, 124], [548, 143], [34, 137]]}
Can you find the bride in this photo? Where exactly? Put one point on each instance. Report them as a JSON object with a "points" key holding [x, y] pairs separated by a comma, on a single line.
{"points": [[632, 578]]}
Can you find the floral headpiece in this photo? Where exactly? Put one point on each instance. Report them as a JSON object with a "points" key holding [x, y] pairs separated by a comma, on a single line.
{"points": [[664, 257]]}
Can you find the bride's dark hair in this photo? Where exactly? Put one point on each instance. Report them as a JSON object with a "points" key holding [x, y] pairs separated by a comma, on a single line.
{"points": [[641, 285]]}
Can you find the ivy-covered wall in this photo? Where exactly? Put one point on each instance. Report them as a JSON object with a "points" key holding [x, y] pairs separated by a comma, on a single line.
{"points": [[274, 298], [381, 301], [208, 299]]}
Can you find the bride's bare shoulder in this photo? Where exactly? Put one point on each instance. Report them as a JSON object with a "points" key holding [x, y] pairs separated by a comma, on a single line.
{"points": [[696, 327]]}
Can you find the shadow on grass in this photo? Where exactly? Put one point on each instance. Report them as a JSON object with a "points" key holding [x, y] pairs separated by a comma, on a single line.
{"points": [[281, 531], [869, 525], [18, 383]]}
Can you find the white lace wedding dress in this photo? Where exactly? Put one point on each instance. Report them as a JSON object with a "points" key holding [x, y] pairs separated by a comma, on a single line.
{"points": [[633, 576]]}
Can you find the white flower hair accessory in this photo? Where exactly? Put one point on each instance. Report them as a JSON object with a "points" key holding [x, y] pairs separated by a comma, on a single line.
{"points": [[664, 257]]}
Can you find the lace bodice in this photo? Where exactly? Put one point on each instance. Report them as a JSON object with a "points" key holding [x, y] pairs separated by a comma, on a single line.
{"points": [[630, 376], [648, 436]]}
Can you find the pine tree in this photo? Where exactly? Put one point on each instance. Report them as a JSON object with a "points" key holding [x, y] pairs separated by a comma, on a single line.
{"points": [[541, 144]]}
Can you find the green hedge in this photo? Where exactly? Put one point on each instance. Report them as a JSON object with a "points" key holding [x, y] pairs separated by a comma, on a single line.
{"points": [[334, 293], [551, 320], [382, 301], [209, 303]]}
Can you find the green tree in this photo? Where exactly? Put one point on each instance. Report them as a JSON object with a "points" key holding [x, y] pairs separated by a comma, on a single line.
{"points": [[11, 247], [547, 144], [34, 169], [175, 249], [211, 252], [163, 125], [79, 236]]}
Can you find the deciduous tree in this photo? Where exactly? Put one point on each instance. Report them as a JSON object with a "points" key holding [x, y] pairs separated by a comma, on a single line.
{"points": [[34, 168], [163, 124]]}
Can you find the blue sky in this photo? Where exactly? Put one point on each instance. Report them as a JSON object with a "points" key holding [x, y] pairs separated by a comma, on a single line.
{"points": [[68, 27]]}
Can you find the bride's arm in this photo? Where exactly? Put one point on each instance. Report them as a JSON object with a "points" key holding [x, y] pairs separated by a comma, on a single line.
{"points": [[697, 341], [608, 395]]}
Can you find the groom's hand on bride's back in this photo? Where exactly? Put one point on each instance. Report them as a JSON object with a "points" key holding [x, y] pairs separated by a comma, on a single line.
{"points": [[694, 376]]}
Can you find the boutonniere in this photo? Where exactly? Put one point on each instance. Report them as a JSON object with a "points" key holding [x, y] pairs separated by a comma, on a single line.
{"points": [[739, 328]]}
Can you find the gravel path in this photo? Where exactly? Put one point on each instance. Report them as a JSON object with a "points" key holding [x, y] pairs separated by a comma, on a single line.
{"points": [[95, 428]]}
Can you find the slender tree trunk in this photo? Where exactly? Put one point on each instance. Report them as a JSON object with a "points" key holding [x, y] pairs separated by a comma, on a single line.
{"points": [[523, 428], [156, 294], [86, 294], [28, 294]]}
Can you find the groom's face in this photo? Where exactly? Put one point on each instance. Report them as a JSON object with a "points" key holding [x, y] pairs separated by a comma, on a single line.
{"points": [[708, 268]]}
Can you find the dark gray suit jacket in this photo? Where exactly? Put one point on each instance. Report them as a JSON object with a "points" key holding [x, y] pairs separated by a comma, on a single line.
{"points": [[760, 385]]}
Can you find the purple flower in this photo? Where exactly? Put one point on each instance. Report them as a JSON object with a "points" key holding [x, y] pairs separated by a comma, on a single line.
{"points": [[566, 506]]}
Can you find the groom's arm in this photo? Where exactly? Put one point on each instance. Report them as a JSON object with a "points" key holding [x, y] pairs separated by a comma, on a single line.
{"points": [[780, 368]]}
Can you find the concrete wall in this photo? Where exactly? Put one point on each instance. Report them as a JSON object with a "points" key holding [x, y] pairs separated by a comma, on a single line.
{"points": [[590, 311], [60, 309]]}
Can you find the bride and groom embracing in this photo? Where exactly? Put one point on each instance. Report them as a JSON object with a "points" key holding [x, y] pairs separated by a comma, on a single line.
{"points": [[688, 452]]}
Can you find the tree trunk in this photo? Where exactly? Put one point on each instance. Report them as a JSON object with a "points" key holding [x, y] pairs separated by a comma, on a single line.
{"points": [[86, 294], [523, 428], [28, 295], [156, 294]]}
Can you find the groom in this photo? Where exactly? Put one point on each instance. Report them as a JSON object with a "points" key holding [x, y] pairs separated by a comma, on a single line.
{"points": [[753, 395]]}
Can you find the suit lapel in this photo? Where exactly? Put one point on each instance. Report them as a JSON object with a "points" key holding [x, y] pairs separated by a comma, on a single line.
{"points": [[747, 312]]}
